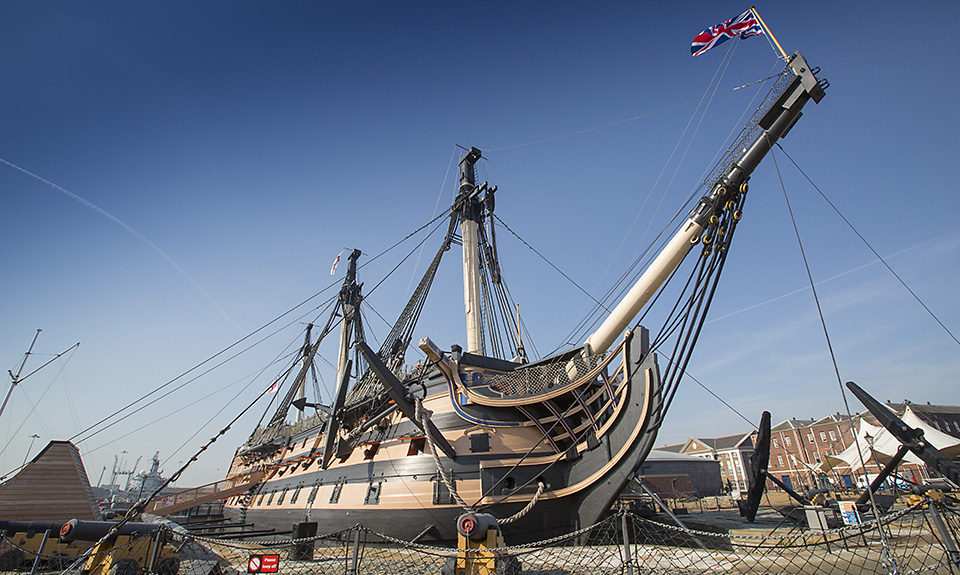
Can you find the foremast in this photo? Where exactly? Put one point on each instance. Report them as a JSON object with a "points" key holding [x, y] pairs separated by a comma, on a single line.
{"points": [[271, 437], [729, 186]]}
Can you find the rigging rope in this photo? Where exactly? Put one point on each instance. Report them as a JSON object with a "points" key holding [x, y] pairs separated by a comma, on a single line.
{"points": [[889, 562], [551, 264], [870, 247], [423, 416], [33, 406], [93, 430], [541, 486], [626, 120]]}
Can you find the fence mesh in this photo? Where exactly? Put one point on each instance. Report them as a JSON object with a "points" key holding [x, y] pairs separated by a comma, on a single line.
{"points": [[918, 539]]}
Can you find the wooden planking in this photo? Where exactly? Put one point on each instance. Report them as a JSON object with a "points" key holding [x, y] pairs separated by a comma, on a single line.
{"points": [[52, 487]]}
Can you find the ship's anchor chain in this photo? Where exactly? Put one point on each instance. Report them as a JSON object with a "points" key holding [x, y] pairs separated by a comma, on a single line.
{"points": [[423, 416]]}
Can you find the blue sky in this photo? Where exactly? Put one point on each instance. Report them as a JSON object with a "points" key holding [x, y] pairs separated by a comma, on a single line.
{"points": [[224, 153]]}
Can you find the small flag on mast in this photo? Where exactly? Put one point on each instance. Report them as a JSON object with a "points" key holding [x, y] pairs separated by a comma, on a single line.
{"points": [[273, 388], [744, 25], [336, 262]]}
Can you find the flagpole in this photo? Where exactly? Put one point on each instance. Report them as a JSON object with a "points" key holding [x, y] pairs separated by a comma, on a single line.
{"points": [[769, 33]]}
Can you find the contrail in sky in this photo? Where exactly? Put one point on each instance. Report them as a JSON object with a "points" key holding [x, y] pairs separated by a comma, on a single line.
{"points": [[839, 275], [139, 236]]}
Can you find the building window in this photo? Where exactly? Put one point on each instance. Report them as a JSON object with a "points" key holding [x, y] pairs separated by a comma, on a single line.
{"points": [[816, 456], [786, 441], [775, 443], [780, 461], [823, 436], [956, 426], [833, 436], [810, 437]]}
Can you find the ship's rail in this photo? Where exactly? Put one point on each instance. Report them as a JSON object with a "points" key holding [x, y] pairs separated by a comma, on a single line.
{"points": [[266, 434], [535, 379], [209, 493]]}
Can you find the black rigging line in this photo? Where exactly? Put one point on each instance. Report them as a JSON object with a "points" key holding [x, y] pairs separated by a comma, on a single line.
{"points": [[179, 410], [376, 313], [813, 287], [226, 349], [624, 121], [823, 322], [409, 254], [559, 271], [184, 374], [410, 235], [870, 247]]}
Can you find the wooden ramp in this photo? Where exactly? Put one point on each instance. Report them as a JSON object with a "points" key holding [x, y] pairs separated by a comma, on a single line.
{"points": [[52, 487], [182, 500]]}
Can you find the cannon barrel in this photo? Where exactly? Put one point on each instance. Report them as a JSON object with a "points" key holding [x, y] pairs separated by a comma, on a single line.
{"points": [[77, 530], [29, 527], [475, 525]]}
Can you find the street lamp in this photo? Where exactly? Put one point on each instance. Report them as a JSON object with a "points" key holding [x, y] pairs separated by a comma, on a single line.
{"points": [[870, 441]]}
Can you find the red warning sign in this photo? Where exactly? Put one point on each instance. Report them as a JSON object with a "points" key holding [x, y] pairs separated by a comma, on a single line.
{"points": [[263, 564]]}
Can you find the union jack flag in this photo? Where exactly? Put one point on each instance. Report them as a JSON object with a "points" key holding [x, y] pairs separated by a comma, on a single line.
{"points": [[744, 25]]}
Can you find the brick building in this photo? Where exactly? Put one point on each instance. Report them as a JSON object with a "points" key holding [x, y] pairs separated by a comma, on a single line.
{"points": [[804, 452], [798, 447]]}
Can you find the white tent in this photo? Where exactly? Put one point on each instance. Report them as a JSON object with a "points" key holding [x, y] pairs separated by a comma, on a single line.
{"points": [[946, 443], [875, 444], [860, 449]]}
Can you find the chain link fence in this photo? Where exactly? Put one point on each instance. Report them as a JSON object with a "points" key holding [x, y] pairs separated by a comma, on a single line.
{"points": [[917, 539]]}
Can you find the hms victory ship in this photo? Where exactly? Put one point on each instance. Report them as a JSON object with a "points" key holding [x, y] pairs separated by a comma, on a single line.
{"points": [[545, 446]]}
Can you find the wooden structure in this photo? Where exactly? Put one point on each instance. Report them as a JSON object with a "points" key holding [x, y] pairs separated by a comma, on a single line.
{"points": [[52, 487], [217, 491]]}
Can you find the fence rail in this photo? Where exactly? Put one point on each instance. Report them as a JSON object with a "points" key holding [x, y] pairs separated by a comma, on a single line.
{"points": [[908, 541]]}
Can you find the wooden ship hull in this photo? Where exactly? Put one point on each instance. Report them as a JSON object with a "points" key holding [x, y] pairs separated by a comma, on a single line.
{"points": [[546, 446], [390, 482]]}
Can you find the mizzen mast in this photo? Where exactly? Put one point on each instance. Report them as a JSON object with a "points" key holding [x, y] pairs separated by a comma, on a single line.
{"points": [[773, 125], [349, 300]]}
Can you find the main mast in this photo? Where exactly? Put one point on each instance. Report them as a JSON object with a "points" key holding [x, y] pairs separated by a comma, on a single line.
{"points": [[774, 125], [470, 212]]}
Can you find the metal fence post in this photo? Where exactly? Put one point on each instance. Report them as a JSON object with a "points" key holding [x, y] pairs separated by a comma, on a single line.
{"points": [[43, 543], [949, 545], [356, 551], [626, 543]]}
